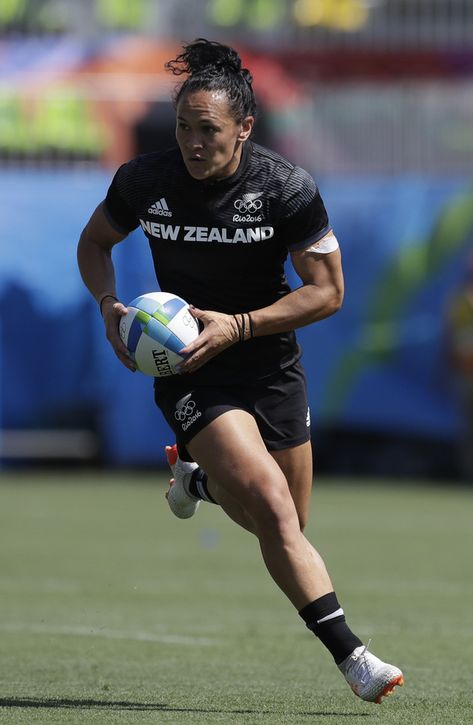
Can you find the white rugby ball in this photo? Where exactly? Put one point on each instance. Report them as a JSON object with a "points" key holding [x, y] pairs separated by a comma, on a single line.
{"points": [[155, 329]]}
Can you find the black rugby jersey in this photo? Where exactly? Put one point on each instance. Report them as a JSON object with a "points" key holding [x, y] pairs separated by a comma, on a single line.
{"points": [[222, 245]]}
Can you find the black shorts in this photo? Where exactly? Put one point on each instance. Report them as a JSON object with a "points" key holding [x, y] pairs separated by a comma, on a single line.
{"points": [[278, 404]]}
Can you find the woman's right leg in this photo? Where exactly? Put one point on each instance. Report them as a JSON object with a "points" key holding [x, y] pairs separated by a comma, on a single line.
{"points": [[230, 505], [231, 451], [296, 465]]}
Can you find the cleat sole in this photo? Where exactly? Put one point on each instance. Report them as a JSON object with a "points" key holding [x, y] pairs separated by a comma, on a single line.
{"points": [[171, 454], [389, 689]]}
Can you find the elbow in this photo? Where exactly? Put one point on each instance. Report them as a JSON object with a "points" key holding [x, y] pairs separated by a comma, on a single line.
{"points": [[335, 301]]}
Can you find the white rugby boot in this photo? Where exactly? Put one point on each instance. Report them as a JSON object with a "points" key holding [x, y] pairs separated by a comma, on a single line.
{"points": [[369, 677], [182, 503]]}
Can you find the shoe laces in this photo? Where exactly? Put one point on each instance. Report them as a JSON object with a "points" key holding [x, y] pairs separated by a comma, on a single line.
{"points": [[360, 654], [358, 664]]}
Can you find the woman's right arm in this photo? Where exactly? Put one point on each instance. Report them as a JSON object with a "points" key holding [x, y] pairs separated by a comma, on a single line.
{"points": [[94, 256]]}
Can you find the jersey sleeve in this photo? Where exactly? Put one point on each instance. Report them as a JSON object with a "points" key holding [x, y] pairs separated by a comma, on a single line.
{"points": [[304, 219], [118, 204]]}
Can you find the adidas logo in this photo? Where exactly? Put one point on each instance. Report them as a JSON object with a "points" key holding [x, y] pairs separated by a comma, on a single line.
{"points": [[160, 207]]}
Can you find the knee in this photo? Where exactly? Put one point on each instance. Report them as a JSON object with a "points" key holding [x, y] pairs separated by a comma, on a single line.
{"points": [[270, 506]]}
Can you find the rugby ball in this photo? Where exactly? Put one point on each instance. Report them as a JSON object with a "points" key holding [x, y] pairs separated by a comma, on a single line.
{"points": [[155, 329]]}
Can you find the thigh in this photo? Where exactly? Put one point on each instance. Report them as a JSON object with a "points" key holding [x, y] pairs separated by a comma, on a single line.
{"points": [[233, 454], [189, 409], [296, 465]]}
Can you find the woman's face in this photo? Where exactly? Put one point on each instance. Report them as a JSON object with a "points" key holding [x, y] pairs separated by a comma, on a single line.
{"points": [[209, 138]]}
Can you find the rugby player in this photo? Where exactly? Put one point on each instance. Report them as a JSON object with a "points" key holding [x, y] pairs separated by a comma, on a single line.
{"points": [[221, 214]]}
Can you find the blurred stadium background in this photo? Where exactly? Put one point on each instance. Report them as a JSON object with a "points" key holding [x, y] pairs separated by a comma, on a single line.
{"points": [[373, 97]]}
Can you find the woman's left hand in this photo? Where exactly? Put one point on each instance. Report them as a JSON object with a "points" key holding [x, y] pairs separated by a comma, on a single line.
{"points": [[220, 331]]}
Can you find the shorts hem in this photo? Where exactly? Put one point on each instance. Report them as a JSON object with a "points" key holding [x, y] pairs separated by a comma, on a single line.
{"points": [[183, 439], [287, 443]]}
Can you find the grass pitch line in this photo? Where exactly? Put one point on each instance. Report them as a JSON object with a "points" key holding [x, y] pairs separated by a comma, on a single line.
{"points": [[106, 633]]}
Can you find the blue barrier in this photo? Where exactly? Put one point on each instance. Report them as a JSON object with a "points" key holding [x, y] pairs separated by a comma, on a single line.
{"points": [[379, 364]]}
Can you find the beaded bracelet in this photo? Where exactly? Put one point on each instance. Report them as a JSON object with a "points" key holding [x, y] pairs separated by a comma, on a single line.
{"points": [[242, 326], [250, 324], [238, 327]]}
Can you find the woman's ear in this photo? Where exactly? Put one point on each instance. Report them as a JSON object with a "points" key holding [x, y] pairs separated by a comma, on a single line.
{"points": [[246, 128]]}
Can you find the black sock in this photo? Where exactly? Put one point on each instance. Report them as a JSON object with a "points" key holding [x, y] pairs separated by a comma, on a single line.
{"points": [[326, 619], [198, 485]]}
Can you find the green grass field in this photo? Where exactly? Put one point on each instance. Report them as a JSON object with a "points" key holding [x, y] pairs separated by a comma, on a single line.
{"points": [[112, 611]]}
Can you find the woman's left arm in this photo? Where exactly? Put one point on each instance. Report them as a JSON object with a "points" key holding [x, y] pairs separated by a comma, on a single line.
{"points": [[320, 295]]}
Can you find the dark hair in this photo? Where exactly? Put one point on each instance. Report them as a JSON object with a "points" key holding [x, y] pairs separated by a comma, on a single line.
{"points": [[212, 66]]}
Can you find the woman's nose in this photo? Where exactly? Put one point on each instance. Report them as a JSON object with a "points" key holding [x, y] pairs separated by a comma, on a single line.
{"points": [[194, 141]]}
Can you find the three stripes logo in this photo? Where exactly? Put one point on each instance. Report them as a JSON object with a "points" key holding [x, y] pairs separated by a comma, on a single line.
{"points": [[160, 207]]}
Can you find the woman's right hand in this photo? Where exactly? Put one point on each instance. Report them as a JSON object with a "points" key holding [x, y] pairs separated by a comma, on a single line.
{"points": [[112, 312]]}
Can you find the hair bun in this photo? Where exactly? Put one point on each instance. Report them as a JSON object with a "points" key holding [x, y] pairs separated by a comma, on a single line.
{"points": [[211, 66], [204, 54]]}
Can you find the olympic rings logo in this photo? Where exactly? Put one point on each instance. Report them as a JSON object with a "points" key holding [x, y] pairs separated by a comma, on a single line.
{"points": [[188, 320], [248, 204], [185, 410]]}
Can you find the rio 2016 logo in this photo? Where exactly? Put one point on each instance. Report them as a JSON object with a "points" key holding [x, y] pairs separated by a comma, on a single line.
{"points": [[186, 413], [248, 206], [185, 410]]}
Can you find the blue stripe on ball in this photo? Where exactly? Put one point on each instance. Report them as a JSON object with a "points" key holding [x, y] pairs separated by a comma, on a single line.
{"points": [[145, 303], [163, 335], [172, 307], [168, 310], [134, 334]]}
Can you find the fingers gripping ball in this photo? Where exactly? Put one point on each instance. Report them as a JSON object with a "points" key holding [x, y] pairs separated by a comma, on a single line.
{"points": [[155, 329]]}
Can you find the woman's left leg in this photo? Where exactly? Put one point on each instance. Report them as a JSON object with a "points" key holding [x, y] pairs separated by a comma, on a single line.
{"points": [[296, 465]]}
